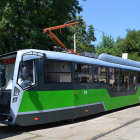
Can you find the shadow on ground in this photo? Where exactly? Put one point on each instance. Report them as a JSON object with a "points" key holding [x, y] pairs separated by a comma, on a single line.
{"points": [[9, 131]]}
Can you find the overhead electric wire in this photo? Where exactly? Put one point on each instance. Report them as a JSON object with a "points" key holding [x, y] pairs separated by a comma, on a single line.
{"points": [[104, 32]]}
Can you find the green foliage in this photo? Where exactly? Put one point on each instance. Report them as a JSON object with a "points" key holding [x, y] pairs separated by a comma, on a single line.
{"points": [[107, 45], [107, 41], [22, 22], [134, 56], [84, 38], [132, 41], [130, 44]]}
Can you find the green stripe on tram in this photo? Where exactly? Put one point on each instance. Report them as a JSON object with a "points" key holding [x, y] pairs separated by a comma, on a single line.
{"points": [[44, 100]]}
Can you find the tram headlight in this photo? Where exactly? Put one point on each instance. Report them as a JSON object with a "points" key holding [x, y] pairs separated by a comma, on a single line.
{"points": [[16, 91], [15, 99]]}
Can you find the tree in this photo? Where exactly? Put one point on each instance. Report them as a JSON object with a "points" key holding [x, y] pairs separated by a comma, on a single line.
{"points": [[84, 38], [130, 44], [106, 45], [22, 22]]}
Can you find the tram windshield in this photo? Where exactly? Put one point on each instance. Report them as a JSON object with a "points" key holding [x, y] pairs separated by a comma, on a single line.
{"points": [[6, 73], [26, 75]]}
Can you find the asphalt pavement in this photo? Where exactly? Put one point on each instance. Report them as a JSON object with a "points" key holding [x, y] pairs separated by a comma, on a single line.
{"points": [[122, 124]]}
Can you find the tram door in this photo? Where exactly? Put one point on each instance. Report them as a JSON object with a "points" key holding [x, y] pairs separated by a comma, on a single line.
{"points": [[7, 65], [83, 78]]}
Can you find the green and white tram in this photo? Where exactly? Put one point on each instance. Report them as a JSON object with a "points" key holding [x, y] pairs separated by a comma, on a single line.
{"points": [[39, 86]]}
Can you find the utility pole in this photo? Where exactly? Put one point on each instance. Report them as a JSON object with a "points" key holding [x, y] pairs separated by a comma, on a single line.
{"points": [[74, 43]]}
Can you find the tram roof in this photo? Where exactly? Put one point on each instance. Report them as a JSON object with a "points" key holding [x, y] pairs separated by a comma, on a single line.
{"points": [[8, 54], [77, 58], [118, 60]]}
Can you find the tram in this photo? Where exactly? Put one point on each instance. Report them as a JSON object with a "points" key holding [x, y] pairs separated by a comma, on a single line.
{"points": [[38, 87]]}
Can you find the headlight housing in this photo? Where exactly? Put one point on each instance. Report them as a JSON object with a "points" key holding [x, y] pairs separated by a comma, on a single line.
{"points": [[16, 91]]}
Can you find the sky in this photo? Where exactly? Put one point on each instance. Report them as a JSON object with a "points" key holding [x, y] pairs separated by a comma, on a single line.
{"points": [[112, 17]]}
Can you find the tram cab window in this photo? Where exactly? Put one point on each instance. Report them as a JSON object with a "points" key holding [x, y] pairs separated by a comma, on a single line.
{"points": [[83, 73], [100, 74], [114, 79], [57, 72], [26, 75]]}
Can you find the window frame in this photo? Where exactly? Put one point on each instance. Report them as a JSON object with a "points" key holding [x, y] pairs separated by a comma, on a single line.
{"points": [[128, 89], [137, 72], [74, 73], [109, 75], [101, 66], [34, 75], [55, 60]]}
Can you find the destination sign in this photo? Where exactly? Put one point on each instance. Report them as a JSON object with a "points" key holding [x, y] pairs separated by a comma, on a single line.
{"points": [[8, 61]]}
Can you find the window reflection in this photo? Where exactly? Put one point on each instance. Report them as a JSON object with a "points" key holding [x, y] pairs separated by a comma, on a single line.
{"points": [[100, 74], [57, 72], [83, 73], [114, 79], [26, 75], [125, 80], [133, 80]]}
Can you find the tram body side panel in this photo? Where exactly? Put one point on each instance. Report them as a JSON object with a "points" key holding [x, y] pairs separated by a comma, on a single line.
{"points": [[39, 107], [102, 96], [46, 106]]}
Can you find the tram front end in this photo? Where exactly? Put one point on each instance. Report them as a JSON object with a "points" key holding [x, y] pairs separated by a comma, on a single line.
{"points": [[17, 76]]}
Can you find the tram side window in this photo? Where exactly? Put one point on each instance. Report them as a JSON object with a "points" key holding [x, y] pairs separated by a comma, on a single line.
{"points": [[124, 80], [133, 80], [114, 79], [100, 74], [26, 74], [57, 72], [83, 73], [138, 77]]}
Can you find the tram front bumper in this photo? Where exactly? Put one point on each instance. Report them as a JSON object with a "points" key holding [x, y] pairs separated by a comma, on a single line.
{"points": [[6, 119]]}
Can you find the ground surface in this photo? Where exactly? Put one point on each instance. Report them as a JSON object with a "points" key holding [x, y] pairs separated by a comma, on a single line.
{"points": [[122, 124]]}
